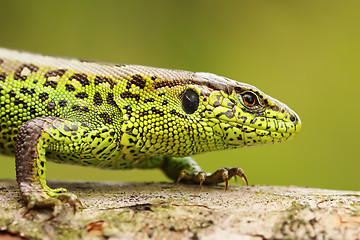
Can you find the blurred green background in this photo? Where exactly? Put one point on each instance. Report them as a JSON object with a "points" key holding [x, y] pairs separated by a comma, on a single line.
{"points": [[304, 53]]}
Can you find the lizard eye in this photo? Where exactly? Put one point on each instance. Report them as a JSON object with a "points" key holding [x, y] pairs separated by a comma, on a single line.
{"points": [[190, 101], [249, 99]]}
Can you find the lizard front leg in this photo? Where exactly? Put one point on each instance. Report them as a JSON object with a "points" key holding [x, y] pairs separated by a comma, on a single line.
{"points": [[34, 138], [185, 169]]}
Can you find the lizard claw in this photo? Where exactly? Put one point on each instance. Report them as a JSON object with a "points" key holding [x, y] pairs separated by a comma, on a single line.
{"points": [[182, 175], [72, 199], [201, 176], [233, 172], [225, 176], [245, 180]]}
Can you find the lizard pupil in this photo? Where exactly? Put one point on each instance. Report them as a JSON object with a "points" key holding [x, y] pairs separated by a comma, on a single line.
{"points": [[249, 99], [190, 101]]}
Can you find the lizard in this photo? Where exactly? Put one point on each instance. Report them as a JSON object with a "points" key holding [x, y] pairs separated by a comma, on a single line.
{"points": [[121, 116]]}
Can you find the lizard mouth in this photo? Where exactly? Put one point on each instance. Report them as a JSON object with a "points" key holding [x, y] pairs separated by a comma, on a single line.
{"points": [[240, 128], [270, 131]]}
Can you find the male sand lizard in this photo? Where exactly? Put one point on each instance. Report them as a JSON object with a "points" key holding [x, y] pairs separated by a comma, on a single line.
{"points": [[126, 116]]}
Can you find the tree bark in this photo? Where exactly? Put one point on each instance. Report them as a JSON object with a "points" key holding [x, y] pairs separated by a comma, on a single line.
{"points": [[176, 211]]}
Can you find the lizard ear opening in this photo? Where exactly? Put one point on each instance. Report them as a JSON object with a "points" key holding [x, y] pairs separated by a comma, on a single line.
{"points": [[190, 101]]}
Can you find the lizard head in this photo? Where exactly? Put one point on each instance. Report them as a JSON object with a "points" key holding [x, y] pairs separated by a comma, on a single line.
{"points": [[238, 114]]}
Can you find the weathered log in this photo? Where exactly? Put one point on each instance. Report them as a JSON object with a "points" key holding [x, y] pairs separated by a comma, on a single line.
{"points": [[176, 211]]}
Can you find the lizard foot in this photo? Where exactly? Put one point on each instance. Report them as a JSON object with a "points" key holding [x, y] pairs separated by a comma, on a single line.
{"points": [[52, 198], [220, 175]]}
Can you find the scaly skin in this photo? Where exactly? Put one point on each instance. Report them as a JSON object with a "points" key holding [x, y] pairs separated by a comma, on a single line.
{"points": [[126, 116]]}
